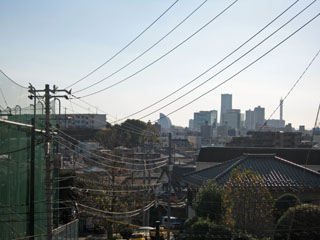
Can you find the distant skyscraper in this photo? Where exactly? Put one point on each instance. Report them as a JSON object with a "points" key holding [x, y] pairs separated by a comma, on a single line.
{"points": [[200, 119], [164, 122], [232, 118], [191, 124], [249, 122], [226, 104], [281, 109], [258, 116]]}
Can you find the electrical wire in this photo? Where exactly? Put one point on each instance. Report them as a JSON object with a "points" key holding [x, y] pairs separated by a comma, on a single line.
{"points": [[149, 205], [162, 56], [243, 69], [147, 50], [121, 162], [126, 46], [110, 166], [112, 155], [209, 69], [229, 65], [131, 128], [294, 85]]}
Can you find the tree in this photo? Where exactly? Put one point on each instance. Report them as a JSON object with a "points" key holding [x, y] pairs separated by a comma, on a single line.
{"points": [[300, 222], [283, 203], [248, 202], [208, 202]]}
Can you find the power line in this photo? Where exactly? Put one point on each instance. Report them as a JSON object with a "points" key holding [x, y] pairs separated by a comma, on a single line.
{"points": [[147, 50], [130, 128], [156, 161], [295, 84], [109, 154], [109, 166], [232, 63], [126, 46], [243, 69], [209, 69], [162, 56]]}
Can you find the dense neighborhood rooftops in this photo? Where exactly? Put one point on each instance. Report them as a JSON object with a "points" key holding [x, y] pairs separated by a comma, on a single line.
{"points": [[276, 172], [295, 155]]}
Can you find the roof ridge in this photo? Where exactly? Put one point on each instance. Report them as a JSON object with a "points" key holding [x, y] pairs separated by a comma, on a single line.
{"points": [[297, 165], [237, 162], [204, 169]]}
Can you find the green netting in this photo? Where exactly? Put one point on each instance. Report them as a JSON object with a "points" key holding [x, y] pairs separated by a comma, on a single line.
{"points": [[15, 152]]}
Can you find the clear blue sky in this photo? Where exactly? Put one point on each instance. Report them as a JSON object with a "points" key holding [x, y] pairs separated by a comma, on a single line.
{"points": [[58, 42]]}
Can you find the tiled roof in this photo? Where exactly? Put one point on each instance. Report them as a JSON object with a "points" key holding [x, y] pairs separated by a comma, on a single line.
{"points": [[295, 155], [276, 172]]}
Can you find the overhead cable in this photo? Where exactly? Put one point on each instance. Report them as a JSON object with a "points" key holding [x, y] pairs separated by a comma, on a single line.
{"points": [[147, 50], [126, 46], [122, 162], [162, 56], [109, 166], [295, 84], [209, 69], [112, 155], [243, 69], [232, 63]]}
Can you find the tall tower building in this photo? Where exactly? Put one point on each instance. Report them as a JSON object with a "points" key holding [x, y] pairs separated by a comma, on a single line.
{"points": [[249, 122], [226, 104], [258, 116], [281, 109]]}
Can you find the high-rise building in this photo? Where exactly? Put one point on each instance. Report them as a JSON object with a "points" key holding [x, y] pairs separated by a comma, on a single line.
{"points": [[281, 109], [232, 118], [249, 122], [200, 119], [258, 116], [164, 122], [226, 104], [191, 124]]}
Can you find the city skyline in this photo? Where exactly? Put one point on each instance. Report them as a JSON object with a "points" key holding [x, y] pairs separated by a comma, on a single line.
{"points": [[73, 38]]}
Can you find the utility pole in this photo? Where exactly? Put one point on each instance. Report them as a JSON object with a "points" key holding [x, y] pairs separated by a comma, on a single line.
{"points": [[48, 163], [32, 164], [48, 188], [169, 190]]}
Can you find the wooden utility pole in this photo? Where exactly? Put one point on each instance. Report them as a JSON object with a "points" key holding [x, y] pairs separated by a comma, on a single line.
{"points": [[32, 164], [47, 148], [169, 190]]}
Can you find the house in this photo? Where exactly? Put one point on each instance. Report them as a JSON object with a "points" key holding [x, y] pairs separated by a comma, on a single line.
{"points": [[211, 156], [279, 175]]}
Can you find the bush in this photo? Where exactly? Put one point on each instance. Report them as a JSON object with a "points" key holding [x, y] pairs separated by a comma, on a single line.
{"points": [[300, 222], [283, 203], [205, 229], [209, 202], [126, 232]]}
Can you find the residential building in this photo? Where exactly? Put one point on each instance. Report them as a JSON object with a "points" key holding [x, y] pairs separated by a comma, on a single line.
{"points": [[211, 156], [279, 175], [226, 104], [82, 120]]}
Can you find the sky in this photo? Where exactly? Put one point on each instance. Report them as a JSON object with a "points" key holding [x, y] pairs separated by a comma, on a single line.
{"points": [[59, 42]]}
